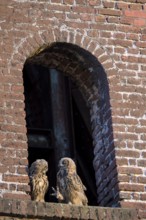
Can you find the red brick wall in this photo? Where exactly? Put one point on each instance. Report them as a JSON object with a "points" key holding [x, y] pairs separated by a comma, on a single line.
{"points": [[114, 32]]}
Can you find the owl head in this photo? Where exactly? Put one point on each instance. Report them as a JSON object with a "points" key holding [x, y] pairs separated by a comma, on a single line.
{"points": [[40, 166], [67, 164]]}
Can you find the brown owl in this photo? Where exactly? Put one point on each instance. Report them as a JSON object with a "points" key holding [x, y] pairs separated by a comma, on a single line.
{"points": [[70, 188], [38, 179]]}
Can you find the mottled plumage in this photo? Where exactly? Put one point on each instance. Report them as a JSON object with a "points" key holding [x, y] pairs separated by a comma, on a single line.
{"points": [[70, 188], [38, 179]]}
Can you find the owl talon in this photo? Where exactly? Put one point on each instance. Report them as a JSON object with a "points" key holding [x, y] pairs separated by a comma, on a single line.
{"points": [[54, 192], [57, 194]]}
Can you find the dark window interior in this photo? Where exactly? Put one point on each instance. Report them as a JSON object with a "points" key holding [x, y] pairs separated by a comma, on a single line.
{"points": [[40, 128]]}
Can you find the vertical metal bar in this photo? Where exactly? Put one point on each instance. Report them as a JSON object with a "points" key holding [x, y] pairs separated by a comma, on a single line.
{"points": [[60, 116]]}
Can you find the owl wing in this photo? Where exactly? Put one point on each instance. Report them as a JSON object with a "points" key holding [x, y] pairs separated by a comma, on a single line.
{"points": [[76, 182], [61, 186], [61, 176], [34, 169]]}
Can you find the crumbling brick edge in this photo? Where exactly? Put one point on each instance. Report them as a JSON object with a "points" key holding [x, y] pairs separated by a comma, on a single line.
{"points": [[37, 210]]}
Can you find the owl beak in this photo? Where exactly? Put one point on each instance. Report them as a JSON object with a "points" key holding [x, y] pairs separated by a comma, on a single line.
{"points": [[60, 165]]}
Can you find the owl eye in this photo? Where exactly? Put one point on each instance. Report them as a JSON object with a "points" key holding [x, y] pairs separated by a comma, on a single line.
{"points": [[65, 162]]}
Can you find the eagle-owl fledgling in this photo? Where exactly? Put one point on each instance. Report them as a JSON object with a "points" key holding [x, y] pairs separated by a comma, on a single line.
{"points": [[38, 179], [70, 188]]}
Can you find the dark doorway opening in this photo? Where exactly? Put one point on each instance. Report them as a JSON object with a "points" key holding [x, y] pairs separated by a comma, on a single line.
{"points": [[38, 107]]}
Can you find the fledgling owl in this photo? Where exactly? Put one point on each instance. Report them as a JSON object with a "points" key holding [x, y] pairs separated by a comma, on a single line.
{"points": [[38, 179], [70, 188]]}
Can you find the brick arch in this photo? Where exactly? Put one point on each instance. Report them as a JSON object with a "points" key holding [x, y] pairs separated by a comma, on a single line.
{"points": [[95, 66], [73, 61], [28, 46]]}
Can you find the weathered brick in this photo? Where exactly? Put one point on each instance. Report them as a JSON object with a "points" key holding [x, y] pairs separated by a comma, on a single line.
{"points": [[129, 170], [131, 187], [16, 196], [109, 12], [127, 153], [93, 2], [135, 13], [84, 212], [15, 178], [108, 4], [140, 22]]}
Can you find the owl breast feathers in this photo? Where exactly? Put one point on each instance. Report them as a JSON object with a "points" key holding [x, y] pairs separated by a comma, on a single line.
{"points": [[70, 188], [38, 179]]}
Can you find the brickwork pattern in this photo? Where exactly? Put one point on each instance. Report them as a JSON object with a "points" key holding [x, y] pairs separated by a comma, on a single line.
{"points": [[18, 209], [115, 33]]}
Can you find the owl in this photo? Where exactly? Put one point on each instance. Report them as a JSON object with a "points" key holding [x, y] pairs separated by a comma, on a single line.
{"points": [[70, 188], [38, 179]]}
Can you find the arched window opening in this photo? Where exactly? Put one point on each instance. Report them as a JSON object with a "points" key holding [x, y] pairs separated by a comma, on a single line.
{"points": [[42, 115]]}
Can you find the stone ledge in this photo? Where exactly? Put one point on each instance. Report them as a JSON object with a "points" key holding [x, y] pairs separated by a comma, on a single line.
{"points": [[18, 209]]}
